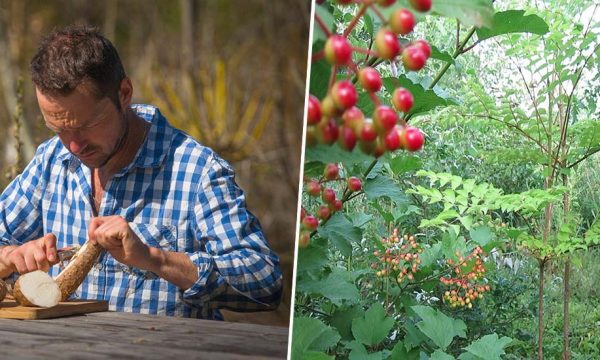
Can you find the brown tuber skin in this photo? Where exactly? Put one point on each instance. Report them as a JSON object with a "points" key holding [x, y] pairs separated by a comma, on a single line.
{"points": [[80, 265], [3, 290]]}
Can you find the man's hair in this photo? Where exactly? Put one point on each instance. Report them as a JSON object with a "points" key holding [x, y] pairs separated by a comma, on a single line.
{"points": [[77, 53]]}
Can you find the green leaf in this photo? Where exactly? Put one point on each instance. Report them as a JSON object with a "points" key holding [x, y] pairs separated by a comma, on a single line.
{"points": [[328, 20], [489, 347], [440, 355], [342, 320], [360, 219], [404, 163], [334, 287], [359, 352], [384, 186], [319, 77], [513, 21], [341, 233], [399, 352], [425, 100], [312, 334], [334, 154], [312, 355], [468, 12], [481, 235], [440, 328], [374, 327], [439, 55], [312, 258]]}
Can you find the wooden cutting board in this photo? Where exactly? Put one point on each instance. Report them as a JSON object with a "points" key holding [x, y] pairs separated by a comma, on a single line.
{"points": [[9, 309]]}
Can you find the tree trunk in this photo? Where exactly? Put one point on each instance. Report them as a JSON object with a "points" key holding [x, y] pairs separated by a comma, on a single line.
{"points": [[567, 280]]}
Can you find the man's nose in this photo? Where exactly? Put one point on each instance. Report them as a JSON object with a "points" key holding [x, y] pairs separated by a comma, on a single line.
{"points": [[76, 145]]}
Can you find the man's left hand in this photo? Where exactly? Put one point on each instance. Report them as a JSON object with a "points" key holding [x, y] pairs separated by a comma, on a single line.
{"points": [[115, 236]]}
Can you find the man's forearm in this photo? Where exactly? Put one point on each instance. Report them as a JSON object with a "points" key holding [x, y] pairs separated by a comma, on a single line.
{"points": [[176, 268], [5, 267]]}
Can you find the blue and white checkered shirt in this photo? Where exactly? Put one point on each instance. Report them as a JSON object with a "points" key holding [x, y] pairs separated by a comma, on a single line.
{"points": [[177, 195]]}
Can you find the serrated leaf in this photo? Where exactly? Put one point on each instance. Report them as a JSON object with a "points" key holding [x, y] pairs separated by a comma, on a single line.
{"points": [[312, 258], [341, 233], [468, 12], [425, 100], [313, 355], [399, 352], [334, 154], [404, 163], [334, 287], [382, 186], [440, 355], [489, 347], [438, 327], [342, 320], [513, 21], [359, 352], [319, 75], [441, 55], [374, 327], [311, 334]]}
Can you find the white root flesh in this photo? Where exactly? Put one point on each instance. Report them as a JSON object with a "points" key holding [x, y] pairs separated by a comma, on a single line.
{"points": [[36, 288]]}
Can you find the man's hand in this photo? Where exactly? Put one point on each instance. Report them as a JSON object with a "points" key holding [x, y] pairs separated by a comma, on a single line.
{"points": [[34, 255], [114, 234]]}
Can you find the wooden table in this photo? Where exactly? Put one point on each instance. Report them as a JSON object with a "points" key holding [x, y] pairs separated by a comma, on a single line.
{"points": [[133, 336]]}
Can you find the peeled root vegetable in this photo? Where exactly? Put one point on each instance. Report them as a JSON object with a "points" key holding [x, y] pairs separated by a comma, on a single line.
{"points": [[79, 266], [36, 288]]}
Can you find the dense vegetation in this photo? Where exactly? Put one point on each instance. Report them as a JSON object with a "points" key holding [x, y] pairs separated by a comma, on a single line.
{"points": [[483, 244]]}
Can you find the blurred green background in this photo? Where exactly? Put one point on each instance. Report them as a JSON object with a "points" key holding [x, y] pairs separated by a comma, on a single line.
{"points": [[230, 73]]}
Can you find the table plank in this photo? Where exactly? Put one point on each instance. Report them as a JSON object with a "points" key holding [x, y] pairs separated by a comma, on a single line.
{"points": [[124, 335]]}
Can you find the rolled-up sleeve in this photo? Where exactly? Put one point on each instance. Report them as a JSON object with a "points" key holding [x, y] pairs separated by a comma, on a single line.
{"points": [[236, 267]]}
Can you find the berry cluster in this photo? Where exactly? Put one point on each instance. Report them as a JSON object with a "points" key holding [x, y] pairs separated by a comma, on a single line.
{"points": [[465, 287], [336, 117], [400, 257], [330, 202]]}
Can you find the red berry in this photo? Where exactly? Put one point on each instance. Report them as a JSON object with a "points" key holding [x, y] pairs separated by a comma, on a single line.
{"points": [[384, 119], [392, 139], [332, 171], [402, 21], [324, 212], [310, 222], [413, 139], [368, 132], [313, 188], [354, 184], [328, 195], [420, 5], [344, 94], [369, 79], [328, 131], [314, 110], [353, 118], [402, 99], [386, 3], [338, 50], [336, 205], [387, 44], [347, 138], [379, 148], [311, 135], [413, 58], [424, 46]]}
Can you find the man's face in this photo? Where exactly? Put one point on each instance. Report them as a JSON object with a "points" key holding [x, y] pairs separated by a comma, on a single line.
{"points": [[90, 128]]}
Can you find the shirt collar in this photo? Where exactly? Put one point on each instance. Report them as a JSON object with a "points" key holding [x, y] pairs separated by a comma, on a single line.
{"points": [[154, 149]]}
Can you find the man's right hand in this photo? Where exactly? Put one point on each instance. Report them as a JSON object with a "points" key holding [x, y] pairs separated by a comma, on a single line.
{"points": [[34, 255]]}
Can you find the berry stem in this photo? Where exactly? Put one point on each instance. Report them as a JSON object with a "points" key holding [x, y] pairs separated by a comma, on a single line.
{"points": [[364, 51], [333, 76], [379, 15], [354, 21], [318, 56], [374, 99], [322, 25]]}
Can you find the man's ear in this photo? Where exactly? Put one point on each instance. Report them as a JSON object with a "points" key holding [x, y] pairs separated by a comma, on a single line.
{"points": [[125, 92]]}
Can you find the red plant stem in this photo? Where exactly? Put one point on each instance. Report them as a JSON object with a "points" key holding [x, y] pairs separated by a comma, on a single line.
{"points": [[379, 14], [375, 99], [364, 51], [352, 24], [318, 56], [322, 25], [333, 76]]}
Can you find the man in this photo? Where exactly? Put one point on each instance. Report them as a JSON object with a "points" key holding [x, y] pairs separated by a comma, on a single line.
{"points": [[178, 237]]}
